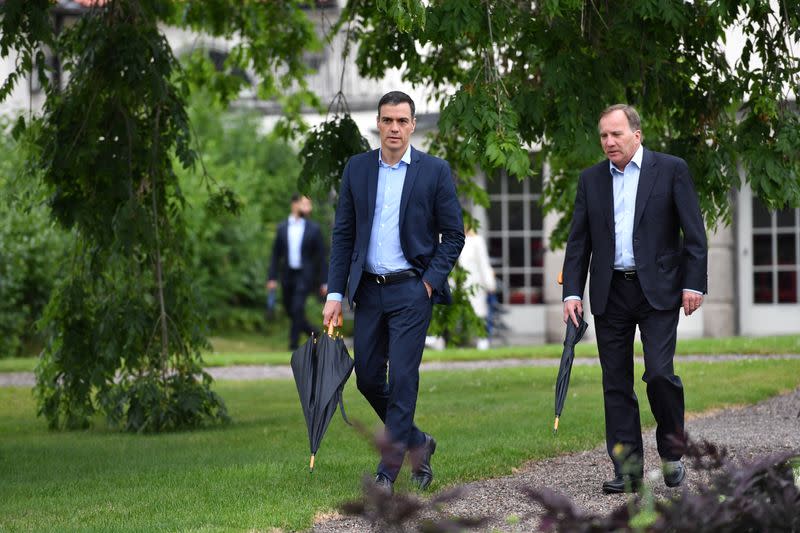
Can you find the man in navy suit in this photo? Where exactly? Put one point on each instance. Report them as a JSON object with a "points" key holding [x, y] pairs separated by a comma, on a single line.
{"points": [[637, 227], [397, 236], [298, 257]]}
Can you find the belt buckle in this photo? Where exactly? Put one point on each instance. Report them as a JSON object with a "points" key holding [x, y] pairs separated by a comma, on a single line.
{"points": [[380, 279], [630, 275]]}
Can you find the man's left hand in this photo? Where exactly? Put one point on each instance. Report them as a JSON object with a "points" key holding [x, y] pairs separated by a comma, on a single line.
{"points": [[428, 288], [691, 302]]}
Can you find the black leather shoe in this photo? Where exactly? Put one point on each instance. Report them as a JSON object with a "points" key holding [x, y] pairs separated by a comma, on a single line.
{"points": [[384, 484], [621, 484], [674, 473], [422, 473]]}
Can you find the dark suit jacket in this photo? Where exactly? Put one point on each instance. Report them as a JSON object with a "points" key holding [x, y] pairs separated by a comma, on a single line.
{"points": [[312, 252], [669, 239], [428, 208]]}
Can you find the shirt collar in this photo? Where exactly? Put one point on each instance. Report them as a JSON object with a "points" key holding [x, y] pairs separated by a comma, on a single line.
{"points": [[637, 159], [296, 220], [405, 159]]}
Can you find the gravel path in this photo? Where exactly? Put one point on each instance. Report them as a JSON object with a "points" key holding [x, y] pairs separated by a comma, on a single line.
{"points": [[257, 372], [580, 475]]}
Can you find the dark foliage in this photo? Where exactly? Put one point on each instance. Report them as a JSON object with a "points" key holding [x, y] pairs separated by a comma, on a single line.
{"points": [[761, 495], [407, 512]]}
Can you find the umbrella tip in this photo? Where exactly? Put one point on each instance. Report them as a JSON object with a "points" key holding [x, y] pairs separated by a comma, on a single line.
{"points": [[311, 465], [555, 426]]}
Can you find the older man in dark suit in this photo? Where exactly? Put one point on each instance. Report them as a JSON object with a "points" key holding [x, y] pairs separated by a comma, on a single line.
{"points": [[637, 227], [397, 236], [298, 259]]}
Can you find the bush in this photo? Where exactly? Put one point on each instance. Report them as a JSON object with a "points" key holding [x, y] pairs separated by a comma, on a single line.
{"points": [[231, 253], [31, 252]]}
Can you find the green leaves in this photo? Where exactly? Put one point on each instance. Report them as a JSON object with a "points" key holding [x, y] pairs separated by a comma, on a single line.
{"points": [[513, 77], [325, 153]]}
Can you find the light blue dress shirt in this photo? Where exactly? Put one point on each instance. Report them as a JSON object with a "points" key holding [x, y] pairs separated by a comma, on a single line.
{"points": [[625, 185], [384, 253], [294, 237]]}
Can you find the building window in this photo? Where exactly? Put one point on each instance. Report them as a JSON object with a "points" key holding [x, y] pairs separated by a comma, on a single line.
{"points": [[516, 239], [776, 255]]}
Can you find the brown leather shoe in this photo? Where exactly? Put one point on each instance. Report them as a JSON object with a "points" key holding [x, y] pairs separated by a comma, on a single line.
{"points": [[422, 473]]}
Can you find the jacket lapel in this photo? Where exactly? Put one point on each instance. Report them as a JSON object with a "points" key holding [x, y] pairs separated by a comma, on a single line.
{"points": [[647, 178], [411, 175], [608, 200], [372, 190]]}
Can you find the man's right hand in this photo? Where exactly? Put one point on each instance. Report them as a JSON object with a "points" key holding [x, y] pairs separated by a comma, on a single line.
{"points": [[331, 311], [272, 285], [573, 308]]}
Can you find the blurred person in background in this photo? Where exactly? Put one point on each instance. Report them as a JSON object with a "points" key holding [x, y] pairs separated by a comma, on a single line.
{"points": [[298, 261]]}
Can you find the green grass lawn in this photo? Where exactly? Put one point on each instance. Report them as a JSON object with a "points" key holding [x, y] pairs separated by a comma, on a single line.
{"points": [[255, 349], [253, 473]]}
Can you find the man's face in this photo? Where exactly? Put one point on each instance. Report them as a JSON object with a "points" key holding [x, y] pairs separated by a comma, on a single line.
{"points": [[395, 125], [619, 142], [305, 206], [302, 207]]}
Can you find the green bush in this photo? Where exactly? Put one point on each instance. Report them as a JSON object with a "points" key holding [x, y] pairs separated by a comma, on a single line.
{"points": [[231, 253], [31, 252]]}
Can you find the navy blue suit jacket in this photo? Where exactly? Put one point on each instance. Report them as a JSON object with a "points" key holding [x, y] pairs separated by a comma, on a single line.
{"points": [[669, 238], [312, 251], [429, 208]]}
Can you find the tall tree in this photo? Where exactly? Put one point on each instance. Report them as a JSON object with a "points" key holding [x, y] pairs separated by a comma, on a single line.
{"points": [[513, 76], [124, 329]]}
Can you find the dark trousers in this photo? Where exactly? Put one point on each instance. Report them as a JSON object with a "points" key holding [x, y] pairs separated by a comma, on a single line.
{"points": [[295, 292], [627, 307], [390, 326]]}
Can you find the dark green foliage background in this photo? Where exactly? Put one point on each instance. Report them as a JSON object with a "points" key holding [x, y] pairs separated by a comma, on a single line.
{"points": [[31, 251]]}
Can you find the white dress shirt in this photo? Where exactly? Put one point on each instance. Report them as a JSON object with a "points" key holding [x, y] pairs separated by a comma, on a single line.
{"points": [[294, 236]]}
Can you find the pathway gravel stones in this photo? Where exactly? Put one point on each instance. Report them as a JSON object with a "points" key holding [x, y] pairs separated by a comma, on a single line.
{"points": [[769, 427]]}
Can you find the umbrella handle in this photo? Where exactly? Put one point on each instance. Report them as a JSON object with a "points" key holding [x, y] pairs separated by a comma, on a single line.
{"points": [[333, 327]]}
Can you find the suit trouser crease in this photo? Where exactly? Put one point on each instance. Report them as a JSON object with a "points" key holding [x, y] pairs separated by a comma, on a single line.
{"points": [[627, 306], [295, 293], [390, 326]]}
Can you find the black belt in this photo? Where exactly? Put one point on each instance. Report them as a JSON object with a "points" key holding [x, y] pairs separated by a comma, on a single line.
{"points": [[629, 275], [391, 277]]}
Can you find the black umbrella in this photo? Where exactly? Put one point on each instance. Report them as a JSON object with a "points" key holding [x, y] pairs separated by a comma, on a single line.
{"points": [[321, 368], [270, 304], [572, 337]]}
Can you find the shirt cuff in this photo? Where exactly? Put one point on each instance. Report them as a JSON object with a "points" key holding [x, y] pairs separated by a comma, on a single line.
{"points": [[694, 291], [572, 298], [334, 296]]}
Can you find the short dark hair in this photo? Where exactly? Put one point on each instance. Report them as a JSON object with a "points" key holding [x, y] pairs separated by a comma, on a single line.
{"points": [[633, 117], [296, 197], [395, 98]]}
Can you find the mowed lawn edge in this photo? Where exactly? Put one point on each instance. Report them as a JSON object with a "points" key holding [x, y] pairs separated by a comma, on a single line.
{"points": [[250, 352], [253, 473]]}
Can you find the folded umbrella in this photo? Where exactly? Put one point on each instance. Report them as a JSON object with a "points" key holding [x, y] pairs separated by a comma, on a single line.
{"points": [[321, 368], [270, 304], [571, 338]]}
